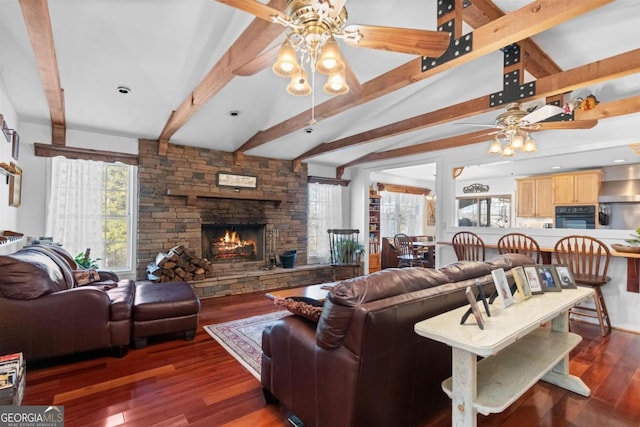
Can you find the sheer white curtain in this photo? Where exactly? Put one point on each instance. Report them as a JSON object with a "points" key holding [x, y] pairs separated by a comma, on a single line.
{"points": [[74, 215], [325, 212], [401, 213]]}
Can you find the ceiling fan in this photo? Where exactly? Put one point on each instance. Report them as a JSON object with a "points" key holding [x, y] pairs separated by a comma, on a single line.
{"points": [[512, 127], [316, 23]]}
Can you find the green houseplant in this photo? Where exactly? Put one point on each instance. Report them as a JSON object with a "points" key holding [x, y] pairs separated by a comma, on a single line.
{"points": [[84, 260], [348, 251]]}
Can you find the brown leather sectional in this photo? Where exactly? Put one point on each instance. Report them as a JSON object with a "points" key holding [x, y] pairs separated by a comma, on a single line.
{"points": [[44, 313], [363, 364]]}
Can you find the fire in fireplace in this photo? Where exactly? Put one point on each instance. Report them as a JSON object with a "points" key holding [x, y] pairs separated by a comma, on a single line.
{"points": [[233, 242]]}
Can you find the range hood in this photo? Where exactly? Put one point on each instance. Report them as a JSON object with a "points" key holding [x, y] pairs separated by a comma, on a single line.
{"points": [[620, 184]]}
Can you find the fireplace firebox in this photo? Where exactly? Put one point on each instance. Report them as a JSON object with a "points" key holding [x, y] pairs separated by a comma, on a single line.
{"points": [[233, 242]]}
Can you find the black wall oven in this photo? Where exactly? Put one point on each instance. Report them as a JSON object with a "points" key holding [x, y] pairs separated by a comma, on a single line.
{"points": [[583, 217]]}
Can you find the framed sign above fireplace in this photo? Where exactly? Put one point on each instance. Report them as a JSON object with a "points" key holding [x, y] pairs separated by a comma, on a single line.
{"points": [[231, 180]]}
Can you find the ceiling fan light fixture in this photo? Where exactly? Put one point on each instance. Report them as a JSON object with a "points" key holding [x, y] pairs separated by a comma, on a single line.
{"points": [[496, 147], [517, 138], [330, 61], [529, 146], [336, 84], [299, 84], [286, 64], [508, 151]]}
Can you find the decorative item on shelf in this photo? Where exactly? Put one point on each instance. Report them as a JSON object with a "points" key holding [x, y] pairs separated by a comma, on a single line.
{"points": [[242, 181], [11, 168]]}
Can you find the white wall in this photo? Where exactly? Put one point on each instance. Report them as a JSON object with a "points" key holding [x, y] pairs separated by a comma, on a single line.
{"points": [[8, 215]]}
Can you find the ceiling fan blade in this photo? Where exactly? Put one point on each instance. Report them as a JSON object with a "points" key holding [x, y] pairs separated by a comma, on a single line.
{"points": [[336, 7], [542, 113], [259, 63], [576, 124], [478, 125], [256, 8], [405, 40]]}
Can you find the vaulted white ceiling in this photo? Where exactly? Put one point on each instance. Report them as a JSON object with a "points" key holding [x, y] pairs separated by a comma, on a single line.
{"points": [[162, 49]]}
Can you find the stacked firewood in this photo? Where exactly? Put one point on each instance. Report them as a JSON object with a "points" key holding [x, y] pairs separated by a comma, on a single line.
{"points": [[179, 264]]}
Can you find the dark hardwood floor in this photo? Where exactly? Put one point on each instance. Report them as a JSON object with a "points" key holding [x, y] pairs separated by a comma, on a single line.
{"points": [[173, 382]]}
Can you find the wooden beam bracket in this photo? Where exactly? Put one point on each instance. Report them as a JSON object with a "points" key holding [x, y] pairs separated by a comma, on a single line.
{"points": [[457, 47]]}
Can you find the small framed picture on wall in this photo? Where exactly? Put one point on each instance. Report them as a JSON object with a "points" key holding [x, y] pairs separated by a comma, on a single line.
{"points": [[15, 145]]}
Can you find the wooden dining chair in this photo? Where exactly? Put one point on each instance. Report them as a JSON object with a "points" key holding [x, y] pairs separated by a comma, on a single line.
{"points": [[468, 246], [588, 259], [407, 256], [519, 243]]}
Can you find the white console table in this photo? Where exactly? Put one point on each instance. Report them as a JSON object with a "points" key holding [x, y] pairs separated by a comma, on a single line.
{"points": [[517, 352]]}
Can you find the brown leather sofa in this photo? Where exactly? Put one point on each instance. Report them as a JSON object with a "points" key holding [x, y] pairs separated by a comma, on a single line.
{"points": [[43, 313], [363, 364]]}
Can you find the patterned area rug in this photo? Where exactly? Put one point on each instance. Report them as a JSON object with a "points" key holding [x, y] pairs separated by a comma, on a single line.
{"points": [[243, 338]]}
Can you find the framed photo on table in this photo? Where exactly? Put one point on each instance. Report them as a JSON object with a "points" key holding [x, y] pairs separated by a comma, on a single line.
{"points": [[565, 277], [474, 308], [531, 272], [548, 278], [521, 282], [502, 287]]}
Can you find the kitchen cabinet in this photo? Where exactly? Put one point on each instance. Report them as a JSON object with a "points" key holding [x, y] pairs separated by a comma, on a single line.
{"points": [[576, 188], [374, 232], [534, 197]]}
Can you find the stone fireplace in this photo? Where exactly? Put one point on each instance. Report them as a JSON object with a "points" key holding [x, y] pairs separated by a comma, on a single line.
{"points": [[179, 197], [233, 242]]}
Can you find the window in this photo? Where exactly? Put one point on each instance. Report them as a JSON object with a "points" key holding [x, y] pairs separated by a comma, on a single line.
{"points": [[90, 206], [488, 211], [401, 213], [325, 212]]}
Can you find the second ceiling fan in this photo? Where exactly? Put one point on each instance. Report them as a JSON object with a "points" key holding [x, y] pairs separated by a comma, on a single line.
{"points": [[512, 127]]}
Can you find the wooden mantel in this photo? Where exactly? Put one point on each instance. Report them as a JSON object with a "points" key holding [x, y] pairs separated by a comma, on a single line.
{"points": [[192, 196]]}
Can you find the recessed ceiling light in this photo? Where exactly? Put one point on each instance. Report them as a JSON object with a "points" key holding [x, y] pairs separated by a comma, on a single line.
{"points": [[619, 161], [123, 89], [556, 167]]}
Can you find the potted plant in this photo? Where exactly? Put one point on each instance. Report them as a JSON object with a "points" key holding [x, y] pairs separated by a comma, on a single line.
{"points": [[84, 260], [348, 251]]}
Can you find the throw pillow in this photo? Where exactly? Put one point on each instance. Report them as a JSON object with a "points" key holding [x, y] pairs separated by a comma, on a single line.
{"points": [[85, 277], [308, 308]]}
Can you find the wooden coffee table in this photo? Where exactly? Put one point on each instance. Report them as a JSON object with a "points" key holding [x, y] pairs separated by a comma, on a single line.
{"points": [[318, 292]]}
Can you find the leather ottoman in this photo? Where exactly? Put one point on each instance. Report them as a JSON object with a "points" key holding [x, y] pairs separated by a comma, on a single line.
{"points": [[164, 308]]}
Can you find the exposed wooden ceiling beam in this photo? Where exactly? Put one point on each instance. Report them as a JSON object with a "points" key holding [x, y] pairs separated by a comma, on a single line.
{"points": [[536, 61], [529, 20], [38, 22], [601, 111], [424, 147], [606, 110], [566, 81], [256, 38]]}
